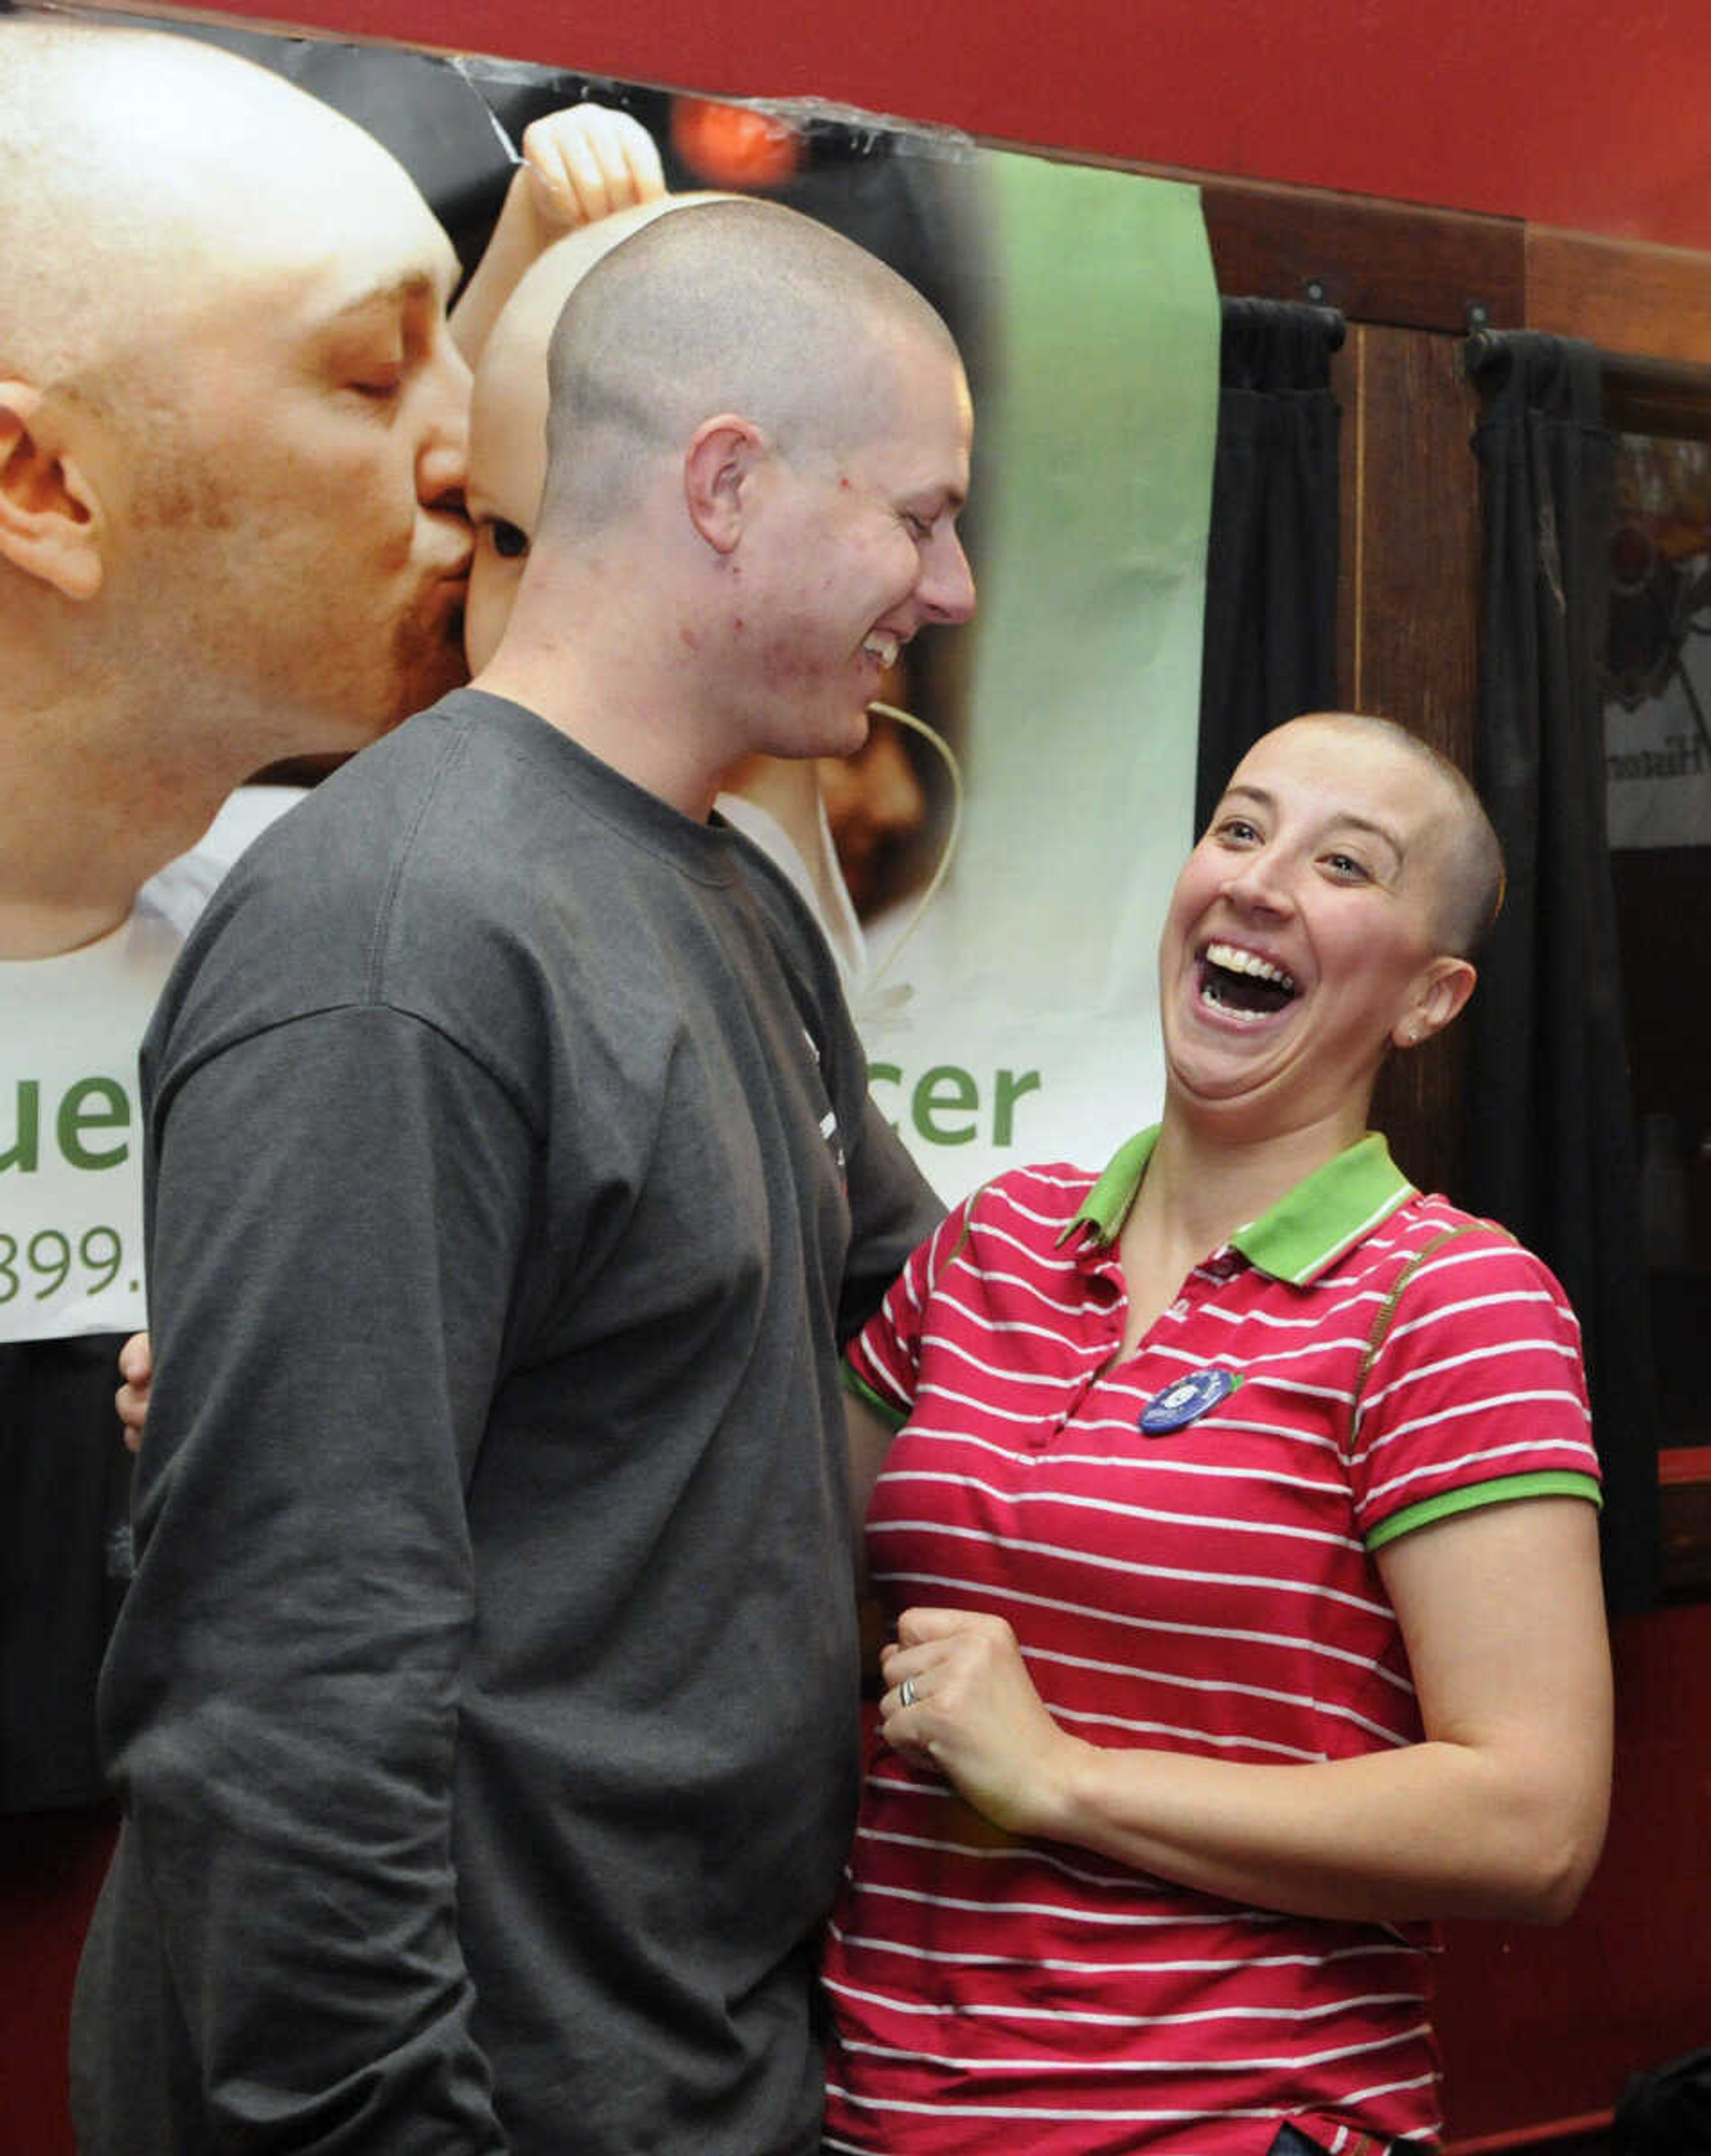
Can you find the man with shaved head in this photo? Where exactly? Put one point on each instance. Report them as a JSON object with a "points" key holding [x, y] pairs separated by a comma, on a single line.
{"points": [[485, 1703]]}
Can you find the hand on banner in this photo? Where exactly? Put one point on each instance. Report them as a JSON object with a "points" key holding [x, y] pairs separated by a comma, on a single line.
{"points": [[581, 164], [136, 1368], [578, 166]]}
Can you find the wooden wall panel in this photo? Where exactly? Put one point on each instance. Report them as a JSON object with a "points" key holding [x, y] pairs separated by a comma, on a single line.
{"points": [[1618, 294], [1412, 555], [1409, 613], [1374, 261]]}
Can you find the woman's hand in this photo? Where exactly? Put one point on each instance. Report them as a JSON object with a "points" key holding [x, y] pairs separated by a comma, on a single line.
{"points": [[959, 1698], [137, 1368], [1498, 1812]]}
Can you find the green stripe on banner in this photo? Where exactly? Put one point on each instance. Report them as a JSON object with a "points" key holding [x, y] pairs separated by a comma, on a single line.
{"points": [[1030, 1030]]}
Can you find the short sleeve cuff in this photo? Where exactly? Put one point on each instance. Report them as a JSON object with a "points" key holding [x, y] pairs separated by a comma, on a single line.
{"points": [[1554, 1482], [888, 1411]]}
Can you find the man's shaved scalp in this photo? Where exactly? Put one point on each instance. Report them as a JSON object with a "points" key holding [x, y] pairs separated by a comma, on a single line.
{"points": [[512, 376], [120, 153], [737, 306]]}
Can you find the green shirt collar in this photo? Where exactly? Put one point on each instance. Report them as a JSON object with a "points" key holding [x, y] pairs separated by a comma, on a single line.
{"points": [[1303, 1235]]}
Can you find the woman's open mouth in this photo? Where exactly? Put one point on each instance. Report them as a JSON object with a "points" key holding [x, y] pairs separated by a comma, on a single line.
{"points": [[1243, 983]]}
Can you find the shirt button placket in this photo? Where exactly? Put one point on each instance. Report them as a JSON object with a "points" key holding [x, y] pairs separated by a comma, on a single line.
{"points": [[1106, 1299]]}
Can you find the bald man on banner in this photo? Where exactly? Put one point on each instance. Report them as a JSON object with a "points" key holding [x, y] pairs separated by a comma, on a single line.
{"points": [[232, 462], [231, 530]]}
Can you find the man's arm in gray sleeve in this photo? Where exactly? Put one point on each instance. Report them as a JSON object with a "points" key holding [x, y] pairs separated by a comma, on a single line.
{"points": [[339, 1211], [892, 1209]]}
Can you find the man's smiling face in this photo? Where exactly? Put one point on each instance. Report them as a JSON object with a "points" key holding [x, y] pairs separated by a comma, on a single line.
{"points": [[856, 550]]}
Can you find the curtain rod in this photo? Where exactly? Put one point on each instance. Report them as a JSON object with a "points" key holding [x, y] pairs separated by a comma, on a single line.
{"points": [[1640, 396], [1656, 396], [1330, 319]]}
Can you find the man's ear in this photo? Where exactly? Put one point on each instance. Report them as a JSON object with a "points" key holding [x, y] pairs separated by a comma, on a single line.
{"points": [[722, 456], [50, 518]]}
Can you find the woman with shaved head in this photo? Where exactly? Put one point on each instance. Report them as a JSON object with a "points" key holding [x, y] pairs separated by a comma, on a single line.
{"points": [[1240, 1543]]}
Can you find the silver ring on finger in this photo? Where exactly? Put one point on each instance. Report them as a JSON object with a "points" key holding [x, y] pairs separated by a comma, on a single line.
{"points": [[906, 1692]]}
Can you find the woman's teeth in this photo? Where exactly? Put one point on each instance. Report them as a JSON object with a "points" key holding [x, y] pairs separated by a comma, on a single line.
{"points": [[1234, 960]]}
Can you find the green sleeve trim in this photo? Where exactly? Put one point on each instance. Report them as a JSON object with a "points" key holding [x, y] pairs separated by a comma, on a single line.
{"points": [[1548, 1482], [888, 1411]]}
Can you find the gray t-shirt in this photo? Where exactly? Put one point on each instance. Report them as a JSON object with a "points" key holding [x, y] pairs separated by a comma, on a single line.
{"points": [[485, 1704]]}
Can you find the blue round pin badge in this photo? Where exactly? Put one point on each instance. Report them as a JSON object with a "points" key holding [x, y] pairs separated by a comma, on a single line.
{"points": [[1186, 1401]]}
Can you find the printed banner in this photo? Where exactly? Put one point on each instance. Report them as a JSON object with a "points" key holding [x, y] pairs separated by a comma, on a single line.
{"points": [[993, 879], [1019, 1022], [71, 1133], [70, 1109]]}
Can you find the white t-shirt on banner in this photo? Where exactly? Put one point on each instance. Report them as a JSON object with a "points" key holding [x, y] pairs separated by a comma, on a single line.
{"points": [[70, 1115], [837, 920]]}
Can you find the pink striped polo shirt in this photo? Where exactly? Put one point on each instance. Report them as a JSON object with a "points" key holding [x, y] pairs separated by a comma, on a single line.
{"points": [[1358, 1361]]}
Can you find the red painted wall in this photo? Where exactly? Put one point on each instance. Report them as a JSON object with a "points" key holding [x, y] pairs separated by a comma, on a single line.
{"points": [[1579, 113], [1539, 2025]]}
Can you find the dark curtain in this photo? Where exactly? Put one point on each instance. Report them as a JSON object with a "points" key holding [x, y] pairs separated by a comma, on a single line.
{"points": [[1551, 1147], [1271, 627], [64, 1557]]}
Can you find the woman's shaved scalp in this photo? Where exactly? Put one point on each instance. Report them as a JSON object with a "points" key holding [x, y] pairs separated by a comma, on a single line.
{"points": [[1470, 863], [737, 306]]}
